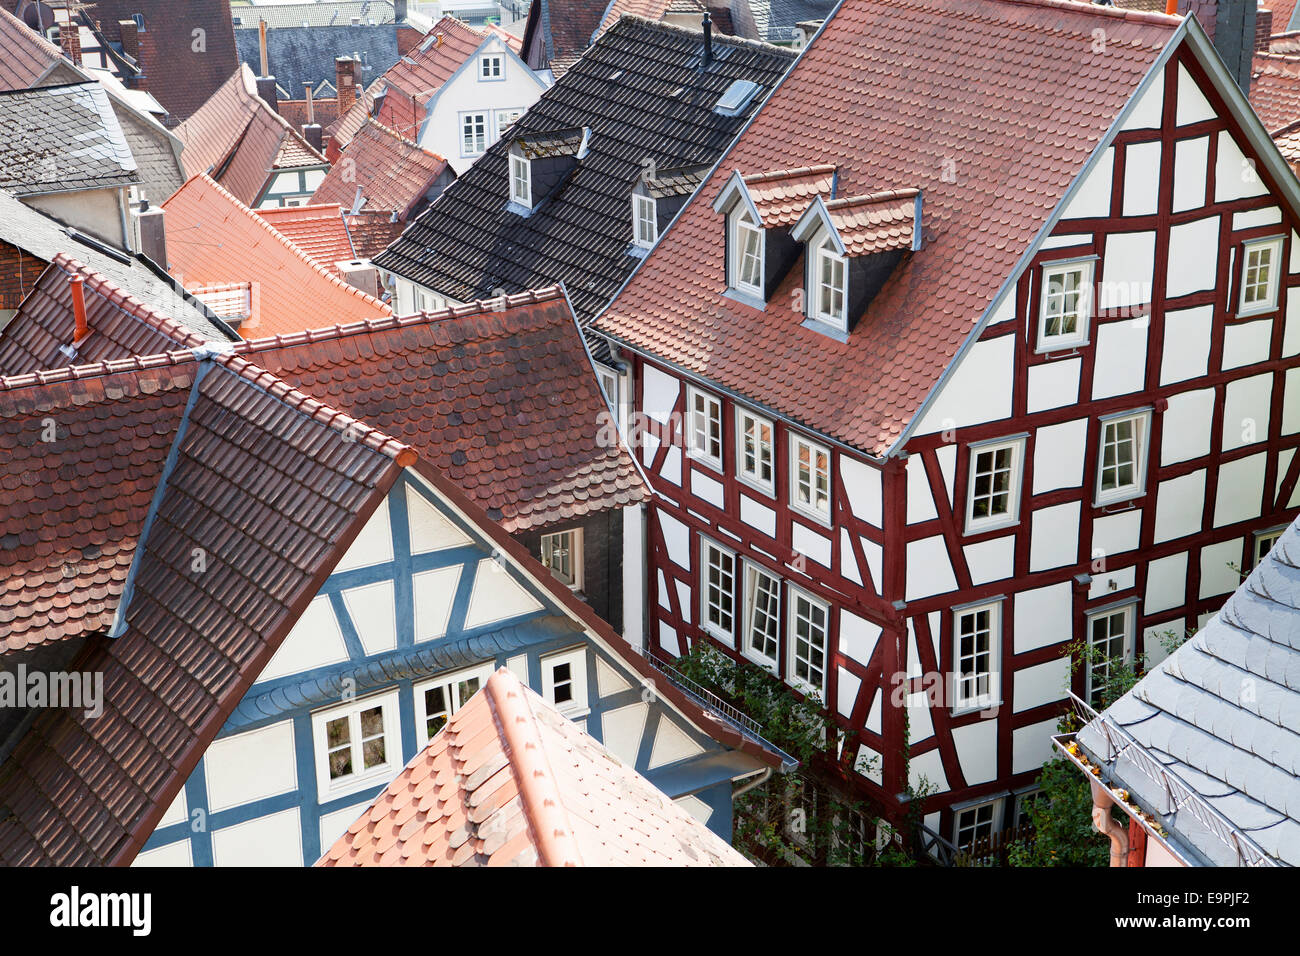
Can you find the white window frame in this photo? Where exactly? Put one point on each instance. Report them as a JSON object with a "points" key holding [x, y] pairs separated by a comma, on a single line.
{"points": [[328, 789], [574, 582], [471, 117], [1142, 433], [818, 294], [1274, 247], [1083, 306], [979, 524], [810, 508], [579, 706], [498, 63], [704, 455], [607, 379], [742, 220], [645, 221], [995, 814], [1020, 799], [962, 702], [506, 119], [707, 604], [751, 572], [448, 682], [793, 596], [521, 172], [1129, 612], [755, 478], [1258, 539]]}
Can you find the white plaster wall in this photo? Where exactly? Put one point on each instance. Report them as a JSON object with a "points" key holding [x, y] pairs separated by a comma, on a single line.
{"points": [[862, 487], [434, 592], [920, 502], [1191, 160], [497, 596], [1053, 384], [249, 766], [978, 390], [1059, 454], [1179, 506], [1041, 684], [758, 516], [929, 570], [977, 751], [858, 637], [1246, 411], [1121, 358], [659, 394], [1117, 533], [1092, 196], [992, 560], [1217, 563], [1031, 746], [315, 641], [273, 840], [1166, 583], [1187, 344], [1247, 343], [1043, 616], [706, 488], [1193, 257], [1141, 179], [634, 575], [1241, 490], [1186, 429], [1054, 540], [1235, 177]]}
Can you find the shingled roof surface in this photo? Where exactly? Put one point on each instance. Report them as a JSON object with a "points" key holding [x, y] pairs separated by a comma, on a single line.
{"points": [[213, 238], [1222, 713], [406, 88], [565, 27], [317, 14], [120, 326], [62, 138], [298, 54], [392, 172], [1275, 89], [372, 231], [468, 244], [26, 57], [500, 397], [1011, 89], [509, 781], [776, 19], [318, 230], [268, 485]]}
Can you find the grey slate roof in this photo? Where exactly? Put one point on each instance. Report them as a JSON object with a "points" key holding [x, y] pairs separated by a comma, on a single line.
{"points": [[640, 91], [306, 54], [43, 237], [312, 14], [61, 139], [776, 19], [1223, 714]]}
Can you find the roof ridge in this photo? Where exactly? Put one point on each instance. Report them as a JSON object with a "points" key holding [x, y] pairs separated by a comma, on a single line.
{"points": [[284, 240], [278, 210], [820, 169], [907, 192], [1078, 6], [635, 19], [370, 120], [33, 38], [128, 303], [392, 322], [76, 373], [539, 791]]}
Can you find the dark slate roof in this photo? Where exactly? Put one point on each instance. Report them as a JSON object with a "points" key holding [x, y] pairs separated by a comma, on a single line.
{"points": [[297, 54], [776, 19], [317, 14], [641, 93], [61, 139], [39, 235], [268, 484], [1222, 715]]}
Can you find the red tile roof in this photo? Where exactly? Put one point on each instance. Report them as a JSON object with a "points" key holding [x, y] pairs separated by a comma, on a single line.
{"points": [[341, 131], [372, 231], [1283, 10], [1275, 89], [780, 196], [120, 326], [509, 781], [1002, 87], [214, 238], [498, 396], [411, 82], [318, 230], [26, 57], [392, 172], [879, 222]]}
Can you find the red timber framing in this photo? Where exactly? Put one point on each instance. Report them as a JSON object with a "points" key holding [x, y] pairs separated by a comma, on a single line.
{"points": [[1094, 579]]}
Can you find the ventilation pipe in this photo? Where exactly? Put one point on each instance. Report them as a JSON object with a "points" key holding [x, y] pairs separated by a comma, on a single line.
{"points": [[707, 23], [261, 46], [311, 104], [77, 284]]}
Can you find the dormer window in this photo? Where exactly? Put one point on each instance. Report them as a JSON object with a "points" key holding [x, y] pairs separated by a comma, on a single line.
{"points": [[831, 287], [645, 222], [746, 254], [521, 181]]}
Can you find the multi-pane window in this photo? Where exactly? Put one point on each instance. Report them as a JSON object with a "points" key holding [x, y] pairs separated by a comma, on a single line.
{"points": [[755, 434], [1108, 648], [832, 278], [718, 596], [1121, 470], [521, 181], [507, 119], [808, 632], [1264, 542], [438, 699], [1066, 305], [491, 66], [645, 223], [762, 616], [562, 555], [747, 255], [994, 485], [810, 477], [1259, 275], [564, 682], [356, 744], [473, 133], [704, 427], [1024, 801], [975, 824], [976, 632]]}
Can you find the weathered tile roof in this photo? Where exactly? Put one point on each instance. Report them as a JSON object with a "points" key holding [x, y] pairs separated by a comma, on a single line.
{"points": [[298, 54], [499, 396], [406, 88], [1275, 89], [1222, 714], [509, 781], [1284, 18], [930, 78], [392, 172], [214, 238], [267, 485], [62, 138], [341, 130], [318, 14], [121, 326], [679, 181], [372, 231], [776, 19], [781, 196], [318, 230], [468, 244], [26, 57]]}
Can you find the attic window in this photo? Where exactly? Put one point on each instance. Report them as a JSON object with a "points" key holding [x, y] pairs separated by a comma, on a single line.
{"points": [[736, 98], [645, 223], [746, 254], [521, 181], [491, 66], [831, 286]]}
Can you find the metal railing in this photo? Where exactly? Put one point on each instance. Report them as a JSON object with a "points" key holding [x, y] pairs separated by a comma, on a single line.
{"points": [[1178, 795]]}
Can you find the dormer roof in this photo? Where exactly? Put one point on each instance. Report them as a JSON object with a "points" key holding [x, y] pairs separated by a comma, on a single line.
{"points": [[553, 145], [864, 225], [778, 197], [681, 181]]}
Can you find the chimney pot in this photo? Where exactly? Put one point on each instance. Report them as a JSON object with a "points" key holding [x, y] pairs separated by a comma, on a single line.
{"points": [[261, 46], [77, 284], [311, 103]]}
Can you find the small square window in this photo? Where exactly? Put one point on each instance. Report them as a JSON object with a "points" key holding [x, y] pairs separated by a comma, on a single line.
{"points": [[357, 745], [809, 634], [1066, 305], [564, 682], [704, 428], [562, 556], [1264, 542], [746, 255], [645, 224], [1121, 470], [437, 700], [977, 637], [521, 181], [810, 478], [718, 592], [994, 485], [1259, 275], [1110, 645], [762, 617], [491, 66], [754, 454]]}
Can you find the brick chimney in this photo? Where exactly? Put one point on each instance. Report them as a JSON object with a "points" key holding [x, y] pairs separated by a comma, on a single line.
{"points": [[130, 38], [70, 41], [267, 91], [152, 234], [345, 81], [1263, 29]]}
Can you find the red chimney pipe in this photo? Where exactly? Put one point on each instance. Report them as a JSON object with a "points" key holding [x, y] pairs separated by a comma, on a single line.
{"points": [[1171, 7], [79, 307]]}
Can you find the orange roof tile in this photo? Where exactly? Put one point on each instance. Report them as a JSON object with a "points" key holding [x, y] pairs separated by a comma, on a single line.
{"points": [[214, 238], [782, 195], [392, 172], [26, 57], [875, 223], [318, 230], [1275, 89], [411, 82], [510, 782]]}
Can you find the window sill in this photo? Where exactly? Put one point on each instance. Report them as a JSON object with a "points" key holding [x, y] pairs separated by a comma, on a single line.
{"points": [[975, 530], [718, 635], [638, 251], [1064, 350], [800, 511], [745, 298], [974, 707], [519, 209], [753, 485], [826, 329], [1116, 505], [707, 463], [1256, 313], [769, 666], [373, 778]]}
